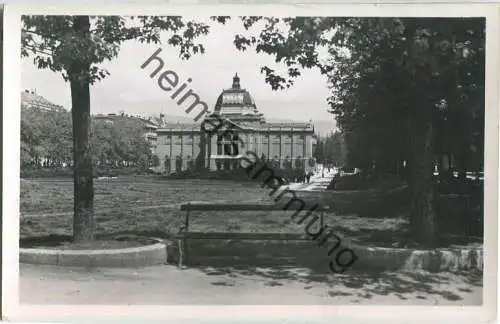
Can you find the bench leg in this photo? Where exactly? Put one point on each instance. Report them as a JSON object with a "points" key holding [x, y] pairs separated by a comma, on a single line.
{"points": [[181, 253], [185, 250]]}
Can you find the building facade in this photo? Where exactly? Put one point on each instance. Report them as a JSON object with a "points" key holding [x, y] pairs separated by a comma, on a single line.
{"points": [[186, 146], [150, 125]]}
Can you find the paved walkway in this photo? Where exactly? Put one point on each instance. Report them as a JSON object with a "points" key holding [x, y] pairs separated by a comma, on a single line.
{"points": [[162, 285], [319, 181]]}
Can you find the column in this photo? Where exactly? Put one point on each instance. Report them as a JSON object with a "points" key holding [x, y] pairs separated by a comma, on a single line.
{"points": [[213, 143], [268, 144], [192, 146], [182, 152], [161, 151], [242, 143], [261, 144], [172, 158], [258, 150], [281, 143], [250, 142], [208, 150], [309, 145], [305, 157]]}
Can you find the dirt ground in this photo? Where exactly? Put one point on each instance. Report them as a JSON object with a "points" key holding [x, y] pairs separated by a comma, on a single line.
{"points": [[168, 285]]}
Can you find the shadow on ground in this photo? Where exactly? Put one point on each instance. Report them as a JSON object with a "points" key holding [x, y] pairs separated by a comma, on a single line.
{"points": [[359, 285], [280, 264]]}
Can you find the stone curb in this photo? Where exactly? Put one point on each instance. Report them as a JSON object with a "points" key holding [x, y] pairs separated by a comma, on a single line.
{"points": [[142, 256], [451, 259], [440, 259]]}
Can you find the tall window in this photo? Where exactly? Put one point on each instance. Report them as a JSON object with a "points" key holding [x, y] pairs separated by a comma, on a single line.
{"points": [[168, 166], [235, 143], [219, 145]]}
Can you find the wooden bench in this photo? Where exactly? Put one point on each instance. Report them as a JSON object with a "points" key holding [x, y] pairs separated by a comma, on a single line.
{"points": [[185, 234]]}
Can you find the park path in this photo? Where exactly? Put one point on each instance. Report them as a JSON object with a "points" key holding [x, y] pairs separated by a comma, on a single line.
{"points": [[162, 285], [319, 181]]}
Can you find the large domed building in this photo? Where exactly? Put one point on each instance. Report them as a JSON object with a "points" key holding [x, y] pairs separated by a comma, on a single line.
{"points": [[237, 104], [184, 146]]}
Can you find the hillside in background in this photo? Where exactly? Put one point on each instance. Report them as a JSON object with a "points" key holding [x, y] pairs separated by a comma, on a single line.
{"points": [[30, 99]]}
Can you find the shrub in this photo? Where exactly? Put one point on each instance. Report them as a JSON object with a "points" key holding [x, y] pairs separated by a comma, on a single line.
{"points": [[366, 181], [46, 172], [68, 172]]}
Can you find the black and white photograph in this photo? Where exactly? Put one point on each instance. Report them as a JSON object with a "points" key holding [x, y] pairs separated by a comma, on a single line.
{"points": [[253, 160]]}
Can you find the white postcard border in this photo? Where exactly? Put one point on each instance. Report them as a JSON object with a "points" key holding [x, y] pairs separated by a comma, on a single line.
{"points": [[11, 140]]}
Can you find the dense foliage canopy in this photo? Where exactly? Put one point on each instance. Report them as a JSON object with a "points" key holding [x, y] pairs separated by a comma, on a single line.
{"points": [[387, 75], [404, 91], [46, 141], [331, 150]]}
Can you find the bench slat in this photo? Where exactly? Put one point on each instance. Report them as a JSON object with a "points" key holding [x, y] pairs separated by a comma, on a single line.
{"points": [[242, 236], [247, 207]]}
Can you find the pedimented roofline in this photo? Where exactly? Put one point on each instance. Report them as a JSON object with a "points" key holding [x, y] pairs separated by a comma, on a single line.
{"points": [[254, 127]]}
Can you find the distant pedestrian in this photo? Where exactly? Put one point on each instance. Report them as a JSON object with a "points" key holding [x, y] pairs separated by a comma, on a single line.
{"points": [[308, 177]]}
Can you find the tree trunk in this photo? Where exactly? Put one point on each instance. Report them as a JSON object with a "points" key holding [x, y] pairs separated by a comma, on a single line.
{"points": [[78, 72], [422, 215]]}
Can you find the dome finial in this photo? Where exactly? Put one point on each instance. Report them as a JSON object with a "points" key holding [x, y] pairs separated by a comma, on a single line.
{"points": [[236, 81]]}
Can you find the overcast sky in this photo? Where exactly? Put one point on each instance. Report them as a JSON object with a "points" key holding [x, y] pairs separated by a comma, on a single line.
{"points": [[129, 88]]}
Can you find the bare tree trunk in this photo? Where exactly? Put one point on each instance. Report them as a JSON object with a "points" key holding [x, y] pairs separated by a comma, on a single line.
{"points": [[78, 72], [422, 214]]}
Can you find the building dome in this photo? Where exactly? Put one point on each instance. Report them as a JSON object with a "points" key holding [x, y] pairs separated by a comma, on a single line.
{"points": [[235, 100]]}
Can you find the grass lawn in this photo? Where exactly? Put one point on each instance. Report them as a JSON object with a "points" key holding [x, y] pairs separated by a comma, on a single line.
{"points": [[125, 204], [50, 195], [151, 206]]}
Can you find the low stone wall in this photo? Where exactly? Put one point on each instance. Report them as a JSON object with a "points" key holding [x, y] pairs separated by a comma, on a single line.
{"points": [[128, 257]]}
